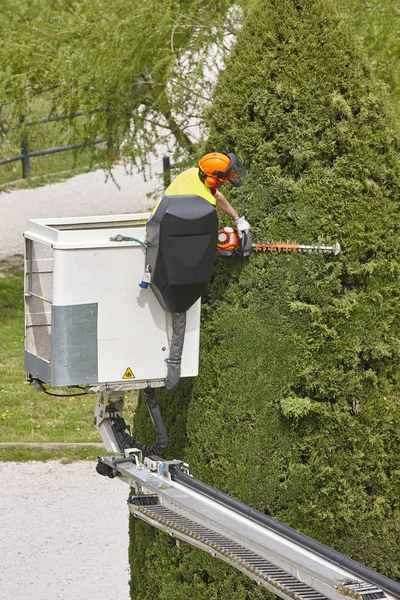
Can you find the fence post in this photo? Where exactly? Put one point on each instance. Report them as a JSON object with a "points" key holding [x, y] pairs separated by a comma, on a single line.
{"points": [[110, 122], [24, 152], [166, 171]]}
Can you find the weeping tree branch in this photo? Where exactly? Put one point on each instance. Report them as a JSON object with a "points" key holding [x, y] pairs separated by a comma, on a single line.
{"points": [[181, 137]]}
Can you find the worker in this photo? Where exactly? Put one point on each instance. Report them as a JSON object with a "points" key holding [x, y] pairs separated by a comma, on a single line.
{"points": [[214, 170], [182, 236]]}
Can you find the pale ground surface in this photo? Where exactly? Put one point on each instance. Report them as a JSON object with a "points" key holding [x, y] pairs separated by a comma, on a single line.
{"points": [[63, 533], [64, 528], [84, 195]]}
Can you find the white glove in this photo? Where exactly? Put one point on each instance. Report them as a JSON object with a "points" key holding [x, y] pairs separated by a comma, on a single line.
{"points": [[242, 226]]}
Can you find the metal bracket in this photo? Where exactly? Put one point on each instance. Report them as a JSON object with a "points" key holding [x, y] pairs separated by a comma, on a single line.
{"points": [[109, 404], [163, 467], [135, 455]]}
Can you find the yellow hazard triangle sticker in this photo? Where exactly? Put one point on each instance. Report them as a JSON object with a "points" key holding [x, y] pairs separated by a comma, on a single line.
{"points": [[128, 374]]}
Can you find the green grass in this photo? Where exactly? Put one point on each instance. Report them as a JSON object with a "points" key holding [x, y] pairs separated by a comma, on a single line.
{"points": [[64, 455], [42, 167], [49, 169], [26, 414]]}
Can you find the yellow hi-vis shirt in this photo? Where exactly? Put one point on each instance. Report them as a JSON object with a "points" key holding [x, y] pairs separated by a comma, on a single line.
{"points": [[188, 183]]}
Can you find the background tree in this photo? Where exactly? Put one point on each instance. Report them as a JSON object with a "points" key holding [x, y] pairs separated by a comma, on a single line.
{"points": [[296, 409], [142, 72], [137, 69]]}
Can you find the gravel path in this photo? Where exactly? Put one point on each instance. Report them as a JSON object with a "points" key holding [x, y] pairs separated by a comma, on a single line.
{"points": [[64, 528], [84, 195], [63, 533]]}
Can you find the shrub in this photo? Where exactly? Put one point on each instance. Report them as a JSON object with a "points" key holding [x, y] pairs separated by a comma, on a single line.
{"points": [[296, 410]]}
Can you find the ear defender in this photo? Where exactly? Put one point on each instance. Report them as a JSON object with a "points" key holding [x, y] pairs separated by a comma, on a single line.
{"points": [[210, 181]]}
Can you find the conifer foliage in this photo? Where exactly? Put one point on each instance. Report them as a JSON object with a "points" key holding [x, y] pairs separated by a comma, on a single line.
{"points": [[296, 410]]}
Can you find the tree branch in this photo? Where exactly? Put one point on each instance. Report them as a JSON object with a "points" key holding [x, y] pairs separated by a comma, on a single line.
{"points": [[181, 137]]}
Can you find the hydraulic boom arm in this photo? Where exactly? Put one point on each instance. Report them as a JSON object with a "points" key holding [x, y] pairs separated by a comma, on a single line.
{"points": [[288, 563]]}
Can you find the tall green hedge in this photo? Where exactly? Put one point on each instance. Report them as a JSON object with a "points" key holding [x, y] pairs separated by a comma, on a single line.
{"points": [[296, 410], [378, 23]]}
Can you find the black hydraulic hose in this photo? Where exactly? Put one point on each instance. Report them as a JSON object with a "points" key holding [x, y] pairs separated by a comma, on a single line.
{"points": [[175, 354], [126, 441], [357, 569], [160, 445]]}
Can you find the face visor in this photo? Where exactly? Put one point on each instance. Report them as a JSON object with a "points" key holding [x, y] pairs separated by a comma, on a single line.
{"points": [[235, 173]]}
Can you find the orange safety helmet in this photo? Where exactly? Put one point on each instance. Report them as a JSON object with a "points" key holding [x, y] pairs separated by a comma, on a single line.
{"points": [[217, 166]]}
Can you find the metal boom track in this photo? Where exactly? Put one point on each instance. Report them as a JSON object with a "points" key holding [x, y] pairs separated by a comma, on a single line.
{"points": [[288, 563]]}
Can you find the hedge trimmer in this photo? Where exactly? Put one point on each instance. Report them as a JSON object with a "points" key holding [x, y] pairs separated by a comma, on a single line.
{"points": [[229, 244]]}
